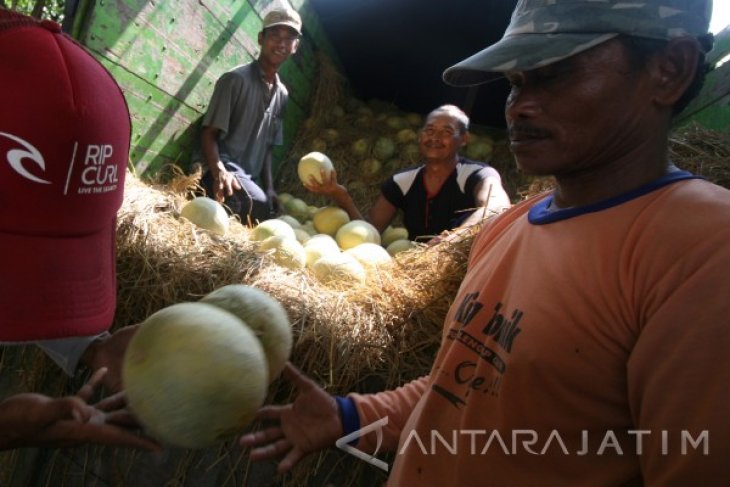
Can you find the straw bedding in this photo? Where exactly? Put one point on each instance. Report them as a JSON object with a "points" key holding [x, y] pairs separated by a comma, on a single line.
{"points": [[367, 338]]}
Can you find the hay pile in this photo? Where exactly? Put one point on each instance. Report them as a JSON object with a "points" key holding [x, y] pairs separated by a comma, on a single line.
{"points": [[366, 338], [163, 259], [703, 152], [356, 339]]}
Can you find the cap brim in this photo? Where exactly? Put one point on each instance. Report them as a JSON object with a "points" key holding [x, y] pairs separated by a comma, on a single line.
{"points": [[286, 24], [521, 52], [67, 286]]}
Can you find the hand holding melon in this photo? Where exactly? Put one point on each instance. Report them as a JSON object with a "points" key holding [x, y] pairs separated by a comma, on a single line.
{"points": [[196, 373]]}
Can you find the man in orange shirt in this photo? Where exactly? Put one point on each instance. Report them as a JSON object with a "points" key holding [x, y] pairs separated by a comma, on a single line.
{"points": [[587, 343]]}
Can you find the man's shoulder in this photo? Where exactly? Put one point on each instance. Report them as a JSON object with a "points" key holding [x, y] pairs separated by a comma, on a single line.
{"points": [[700, 197], [464, 162], [410, 170], [404, 178], [244, 70]]}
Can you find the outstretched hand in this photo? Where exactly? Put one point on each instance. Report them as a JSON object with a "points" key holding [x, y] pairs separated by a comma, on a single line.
{"points": [[109, 353], [329, 185], [311, 423], [35, 420]]}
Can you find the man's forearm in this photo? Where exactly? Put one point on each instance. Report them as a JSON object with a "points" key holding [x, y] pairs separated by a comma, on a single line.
{"points": [[266, 173], [209, 146]]}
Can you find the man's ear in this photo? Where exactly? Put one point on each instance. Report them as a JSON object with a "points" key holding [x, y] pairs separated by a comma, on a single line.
{"points": [[261, 38], [295, 46], [465, 137], [675, 69]]}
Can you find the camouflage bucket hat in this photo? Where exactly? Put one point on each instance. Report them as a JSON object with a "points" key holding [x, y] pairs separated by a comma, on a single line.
{"points": [[542, 32]]}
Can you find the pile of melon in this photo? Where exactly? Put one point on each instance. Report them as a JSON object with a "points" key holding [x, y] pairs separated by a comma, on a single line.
{"points": [[335, 249], [377, 138], [196, 373]]}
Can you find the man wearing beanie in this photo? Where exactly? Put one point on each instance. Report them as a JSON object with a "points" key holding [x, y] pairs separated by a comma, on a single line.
{"points": [[64, 144], [245, 120], [587, 343]]}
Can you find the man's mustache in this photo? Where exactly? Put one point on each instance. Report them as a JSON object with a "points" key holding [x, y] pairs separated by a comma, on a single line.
{"points": [[525, 129]]}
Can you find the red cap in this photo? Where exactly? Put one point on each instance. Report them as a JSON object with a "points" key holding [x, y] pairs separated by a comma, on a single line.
{"points": [[64, 146]]}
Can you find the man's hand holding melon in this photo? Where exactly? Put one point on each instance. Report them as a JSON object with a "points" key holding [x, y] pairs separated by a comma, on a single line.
{"points": [[196, 373]]}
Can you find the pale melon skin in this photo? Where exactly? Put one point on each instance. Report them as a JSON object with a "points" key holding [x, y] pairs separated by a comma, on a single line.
{"points": [[356, 232], [286, 251], [206, 213], [339, 270], [311, 165], [318, 246], [297, 208], [391, 234], [264, 315], [329, 219], [399, 246], [370, 255], [269, 228], [194, 375]]}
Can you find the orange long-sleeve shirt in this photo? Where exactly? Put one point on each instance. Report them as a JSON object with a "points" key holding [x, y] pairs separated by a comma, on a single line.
{"points": [[588, 349]]}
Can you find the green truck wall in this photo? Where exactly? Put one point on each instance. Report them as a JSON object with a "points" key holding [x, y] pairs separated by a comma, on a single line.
{"points": [[167, 55], [711, 108]]}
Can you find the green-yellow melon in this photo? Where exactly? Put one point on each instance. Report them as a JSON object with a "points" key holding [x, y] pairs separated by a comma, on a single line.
{"points": [[384, 148], [400, 246], [406, 135], [356, 232], [302, 235], [330, 135], [370, 255], [391, 234], [360, 147], [370, 168], [312, 165], [284, 198], [318, 145], [206, 213], [293, 222], [411, 152], [297, 208], [318, 246], [308, 226], [329, 219], [396, 122], [194, 375], [264, 315], [269, 228], [338, 270], [415, 119], [285, 251]]}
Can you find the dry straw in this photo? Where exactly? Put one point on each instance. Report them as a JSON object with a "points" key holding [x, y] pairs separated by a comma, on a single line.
{"points": [[365, 338]]}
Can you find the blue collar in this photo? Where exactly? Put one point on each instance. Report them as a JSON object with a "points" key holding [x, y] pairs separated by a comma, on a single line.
{"points": [[540, 214]]}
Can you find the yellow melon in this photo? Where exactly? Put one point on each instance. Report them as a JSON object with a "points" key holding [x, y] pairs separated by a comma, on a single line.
{"points": [[264, 315], [206, 213], [194, 375]]}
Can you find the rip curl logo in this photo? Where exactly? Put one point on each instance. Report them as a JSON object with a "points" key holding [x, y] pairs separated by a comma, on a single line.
{"points": [[16, 156], [91, 168]]}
